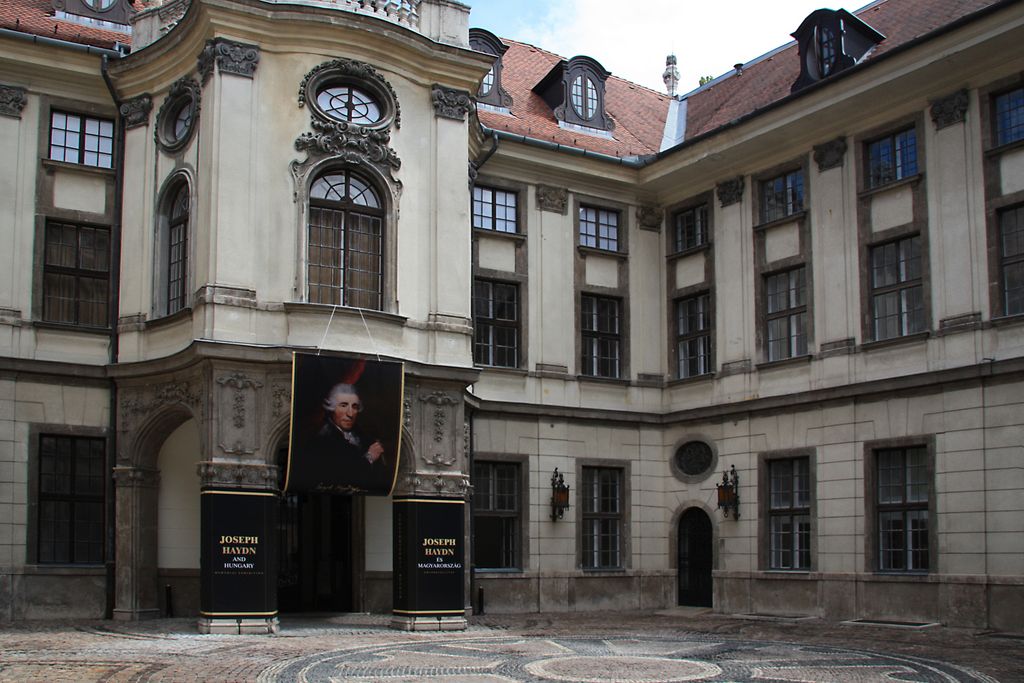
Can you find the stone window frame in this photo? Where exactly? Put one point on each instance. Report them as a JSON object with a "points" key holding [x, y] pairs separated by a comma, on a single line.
{"points": [[995, 201], [183, 176], [516, 324], [515, 191], [803, 258], [788, 313], [183, 97], [581, 201], [995, 118], [77, 272], [625, 550], [35, 432], [764, 459], [675, 245], [1004, 260], [523, 540], [898, 287], [80, 148], [600, 212], [520, 276], [871, 539], [44, 198], [677, 471], [867, 238], [621, 336], [674, 293], [898, 175], [783, 173], [356, 74], [679, 338], [389, 213]]}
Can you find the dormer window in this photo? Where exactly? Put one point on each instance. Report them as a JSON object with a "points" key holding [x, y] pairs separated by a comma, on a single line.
{"points": [[490, 92], [111, 14], [575, 91], [829, 42]]}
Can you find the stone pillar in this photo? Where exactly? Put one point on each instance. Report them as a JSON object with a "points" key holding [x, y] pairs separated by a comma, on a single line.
{"points": [[433, 481], [136, 516]]}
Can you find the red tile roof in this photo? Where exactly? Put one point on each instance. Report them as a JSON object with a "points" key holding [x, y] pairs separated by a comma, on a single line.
{"points": [[35, 17], [769, 80], [639, 113]]}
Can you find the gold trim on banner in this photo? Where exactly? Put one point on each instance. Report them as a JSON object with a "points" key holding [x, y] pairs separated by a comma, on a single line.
{"points": [[454, 613], [238, 493], [440, 501]]}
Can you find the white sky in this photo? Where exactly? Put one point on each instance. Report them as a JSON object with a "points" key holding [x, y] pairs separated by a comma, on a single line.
{"points": [[632, 38]]}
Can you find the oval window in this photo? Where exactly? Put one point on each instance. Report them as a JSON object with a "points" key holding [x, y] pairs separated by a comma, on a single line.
{"points": [[584, 97], [346, 103]]}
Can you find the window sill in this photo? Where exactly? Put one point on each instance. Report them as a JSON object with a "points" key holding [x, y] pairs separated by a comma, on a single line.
{"points": [[497, 571], [70, 327], [1008, 320], [597, 379], [52, 165], [595, 251], [603, 571], [1004, 148], [501, 370], [903, 576], [371, 313], [689, 251], [514, 236], [878, 189], [791, 218], [690, 380], [785, 362], [170, 319], [895, 341]]}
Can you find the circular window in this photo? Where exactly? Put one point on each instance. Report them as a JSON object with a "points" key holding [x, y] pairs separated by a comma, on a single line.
{"points": [[348, 91], [100, 5], [693, 460], [175, 123], [347, 103]]}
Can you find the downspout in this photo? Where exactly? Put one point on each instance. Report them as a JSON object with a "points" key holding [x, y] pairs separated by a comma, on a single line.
{"points": [[112, 318]]}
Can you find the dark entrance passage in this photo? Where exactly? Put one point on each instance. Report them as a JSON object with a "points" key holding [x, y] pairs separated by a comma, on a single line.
{"points": [[694, 550], [315, 553]]}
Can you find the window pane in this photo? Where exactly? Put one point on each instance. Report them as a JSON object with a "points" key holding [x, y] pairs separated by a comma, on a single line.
{"points": [[1009, 112]]}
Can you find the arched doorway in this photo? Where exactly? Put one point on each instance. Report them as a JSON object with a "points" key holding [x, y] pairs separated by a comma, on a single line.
{"points": [[314, 571], [694, 550]]}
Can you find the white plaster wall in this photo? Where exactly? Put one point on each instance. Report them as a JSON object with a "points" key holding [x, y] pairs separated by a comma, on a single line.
{"points": [[378, 533], [891, 208], [79, 191], [782, 241], [178, 506], [496, 254]]}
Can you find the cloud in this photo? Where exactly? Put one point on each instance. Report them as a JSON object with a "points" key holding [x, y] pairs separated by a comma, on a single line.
{"points": [[632, 41]]}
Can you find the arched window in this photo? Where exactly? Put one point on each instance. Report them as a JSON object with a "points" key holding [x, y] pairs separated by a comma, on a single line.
{"points": [[177, 248], [345, 241]]}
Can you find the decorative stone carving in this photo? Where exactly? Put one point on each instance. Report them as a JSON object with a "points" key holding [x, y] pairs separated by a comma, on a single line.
{"points": [[730, 191], [281, 397], [438, 460], [12, 100], [649, 217], [553, 199], [352, 70], [238, 475], [949, 110], [172, 393], [439, 398], [450, 103], [136, 477], [407, 412], [438, 483], [233, 435], [136, 111], [171, 13], [185, 92], [351, 144], [830, 154], [230, 57]]}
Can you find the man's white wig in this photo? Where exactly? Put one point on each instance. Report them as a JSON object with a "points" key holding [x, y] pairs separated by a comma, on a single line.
{"points": [[331, 401]]}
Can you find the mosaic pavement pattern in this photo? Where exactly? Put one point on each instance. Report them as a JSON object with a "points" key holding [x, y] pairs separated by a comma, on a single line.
{"points": [[629, 660]]}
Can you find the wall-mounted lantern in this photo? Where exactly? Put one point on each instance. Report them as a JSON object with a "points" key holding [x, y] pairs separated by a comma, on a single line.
{"points": [[559, 496], [729, 493]]}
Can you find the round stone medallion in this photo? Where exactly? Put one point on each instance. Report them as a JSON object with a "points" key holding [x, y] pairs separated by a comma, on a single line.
{"points": [[621, 668], [694, 458]]}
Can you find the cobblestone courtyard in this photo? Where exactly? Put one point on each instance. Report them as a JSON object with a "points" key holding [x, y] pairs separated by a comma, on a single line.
{"points": [[676, 645]]}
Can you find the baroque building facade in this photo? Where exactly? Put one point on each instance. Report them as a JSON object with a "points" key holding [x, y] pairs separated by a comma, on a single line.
{"points": [[769, 333]]}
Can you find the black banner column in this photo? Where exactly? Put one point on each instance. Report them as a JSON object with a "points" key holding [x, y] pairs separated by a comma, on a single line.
{"points": [[239, 571], [429, 564]]}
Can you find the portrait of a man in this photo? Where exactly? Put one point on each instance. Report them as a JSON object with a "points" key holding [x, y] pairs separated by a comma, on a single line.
{"points": [[346, 425]]}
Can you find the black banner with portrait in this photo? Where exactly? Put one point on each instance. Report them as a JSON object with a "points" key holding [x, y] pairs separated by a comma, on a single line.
{"points": [[346, 425]]}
